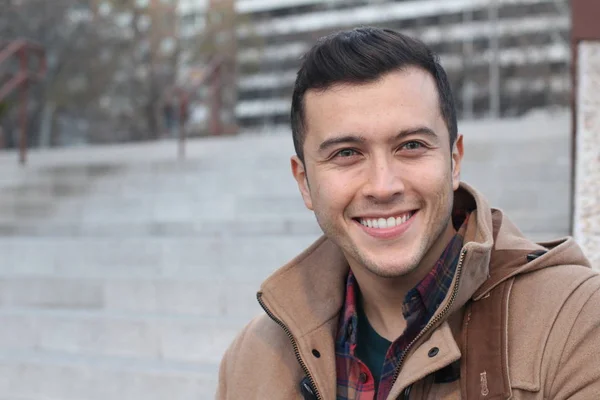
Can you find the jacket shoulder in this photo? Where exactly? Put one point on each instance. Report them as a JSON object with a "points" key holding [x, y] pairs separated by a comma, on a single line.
{"points": [[549, 288], [543, 307], [260, 357], [574, 367]]}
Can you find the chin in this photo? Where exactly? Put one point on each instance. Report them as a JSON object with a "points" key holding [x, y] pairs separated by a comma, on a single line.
{"points": [[390, 268]]}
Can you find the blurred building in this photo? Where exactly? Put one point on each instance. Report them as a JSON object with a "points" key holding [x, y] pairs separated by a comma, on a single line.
{"points": [[503, 57]]}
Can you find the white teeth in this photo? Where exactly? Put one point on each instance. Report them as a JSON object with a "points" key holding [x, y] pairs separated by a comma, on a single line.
{"points": [[383, 223]]}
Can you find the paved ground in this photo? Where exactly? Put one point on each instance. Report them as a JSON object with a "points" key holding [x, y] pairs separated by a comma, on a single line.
{"points": [[125, 273]]}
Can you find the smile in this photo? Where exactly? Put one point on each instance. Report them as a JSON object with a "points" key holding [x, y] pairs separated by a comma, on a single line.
{"points": [[387, 222], [386, 227]]}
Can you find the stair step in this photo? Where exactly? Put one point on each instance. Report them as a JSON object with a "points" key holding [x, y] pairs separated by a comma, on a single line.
{"points": [[263, 226], [140, 209], [145, 337], [203, 297], [205, 185], [236, 256], [38, 375]]}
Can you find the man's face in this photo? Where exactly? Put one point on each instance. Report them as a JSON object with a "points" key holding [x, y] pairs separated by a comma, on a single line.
{"points": [[379, 172]]}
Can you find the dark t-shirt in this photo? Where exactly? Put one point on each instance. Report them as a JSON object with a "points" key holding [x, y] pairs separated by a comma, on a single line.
{"points": [[370, 347]]}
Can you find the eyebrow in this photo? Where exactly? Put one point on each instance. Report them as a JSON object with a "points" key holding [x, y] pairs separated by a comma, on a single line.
{"points": [[420, 130], [359, 139], [345, 139]]}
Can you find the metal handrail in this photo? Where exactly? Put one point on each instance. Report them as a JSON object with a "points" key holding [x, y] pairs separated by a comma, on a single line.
{"points": [[22, 49], [14, 83], [21, 45], [212, 77]]}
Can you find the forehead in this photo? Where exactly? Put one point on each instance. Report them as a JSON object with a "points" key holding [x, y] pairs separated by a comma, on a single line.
{"points": [[398, 100]]}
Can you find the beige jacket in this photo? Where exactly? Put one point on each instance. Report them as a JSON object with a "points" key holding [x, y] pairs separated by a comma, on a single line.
{"points": [[522, 319]]}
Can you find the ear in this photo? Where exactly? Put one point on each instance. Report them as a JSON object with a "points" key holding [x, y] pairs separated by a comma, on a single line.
{"points": [[457, 156], [299, 172]]}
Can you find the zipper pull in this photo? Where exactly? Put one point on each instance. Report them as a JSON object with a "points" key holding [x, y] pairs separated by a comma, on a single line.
{"points": [[306, 390]]}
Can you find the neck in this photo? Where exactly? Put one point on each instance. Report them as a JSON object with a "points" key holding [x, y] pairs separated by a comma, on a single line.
{"points": [[382, 304], [383, 298]]}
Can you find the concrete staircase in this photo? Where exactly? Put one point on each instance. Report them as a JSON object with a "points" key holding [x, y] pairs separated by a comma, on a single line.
{"points": [[125, 273]]}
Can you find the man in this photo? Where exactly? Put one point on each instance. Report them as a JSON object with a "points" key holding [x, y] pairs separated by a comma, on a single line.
{"points": [[418, 289]]}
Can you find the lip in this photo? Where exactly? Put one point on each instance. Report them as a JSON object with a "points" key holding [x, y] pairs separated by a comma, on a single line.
{"points": [[388, 233]]}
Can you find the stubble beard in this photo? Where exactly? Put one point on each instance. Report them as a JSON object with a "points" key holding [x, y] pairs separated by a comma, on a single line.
{"points": [[391, 271], [352, 251]]}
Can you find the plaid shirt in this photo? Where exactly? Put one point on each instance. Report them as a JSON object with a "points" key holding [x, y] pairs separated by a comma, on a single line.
{"points": [[354, 380]]}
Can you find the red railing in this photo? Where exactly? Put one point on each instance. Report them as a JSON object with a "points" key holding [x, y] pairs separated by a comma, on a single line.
{"points": [[22, 49], [212, 78]]}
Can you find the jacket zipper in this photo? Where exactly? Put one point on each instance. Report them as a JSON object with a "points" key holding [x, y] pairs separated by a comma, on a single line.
{"points": [[433, 320], [294, 344]]}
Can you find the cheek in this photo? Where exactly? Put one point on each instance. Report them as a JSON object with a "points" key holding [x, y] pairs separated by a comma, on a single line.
{"points": [[332, 193], [433, 183]]}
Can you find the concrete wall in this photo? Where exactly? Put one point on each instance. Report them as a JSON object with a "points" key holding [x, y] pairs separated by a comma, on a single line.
{"points": [[587, 181]]}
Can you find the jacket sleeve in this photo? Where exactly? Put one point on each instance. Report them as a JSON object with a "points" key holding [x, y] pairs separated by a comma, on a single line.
{"points": [[228, 364], [578, 372], [222, 385]]}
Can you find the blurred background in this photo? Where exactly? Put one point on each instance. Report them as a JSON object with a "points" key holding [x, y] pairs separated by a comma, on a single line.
{"points": [[155, 194], [118, 70]]}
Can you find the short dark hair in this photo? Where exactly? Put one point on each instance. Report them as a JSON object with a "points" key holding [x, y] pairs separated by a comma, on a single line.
{"points": [[363, 55]]}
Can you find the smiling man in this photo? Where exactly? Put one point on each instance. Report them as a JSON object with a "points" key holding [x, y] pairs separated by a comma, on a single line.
{"points": [[418, 289]]}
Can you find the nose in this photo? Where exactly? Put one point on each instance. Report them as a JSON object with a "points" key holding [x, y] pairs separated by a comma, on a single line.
{"points": [[383, 183]]}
